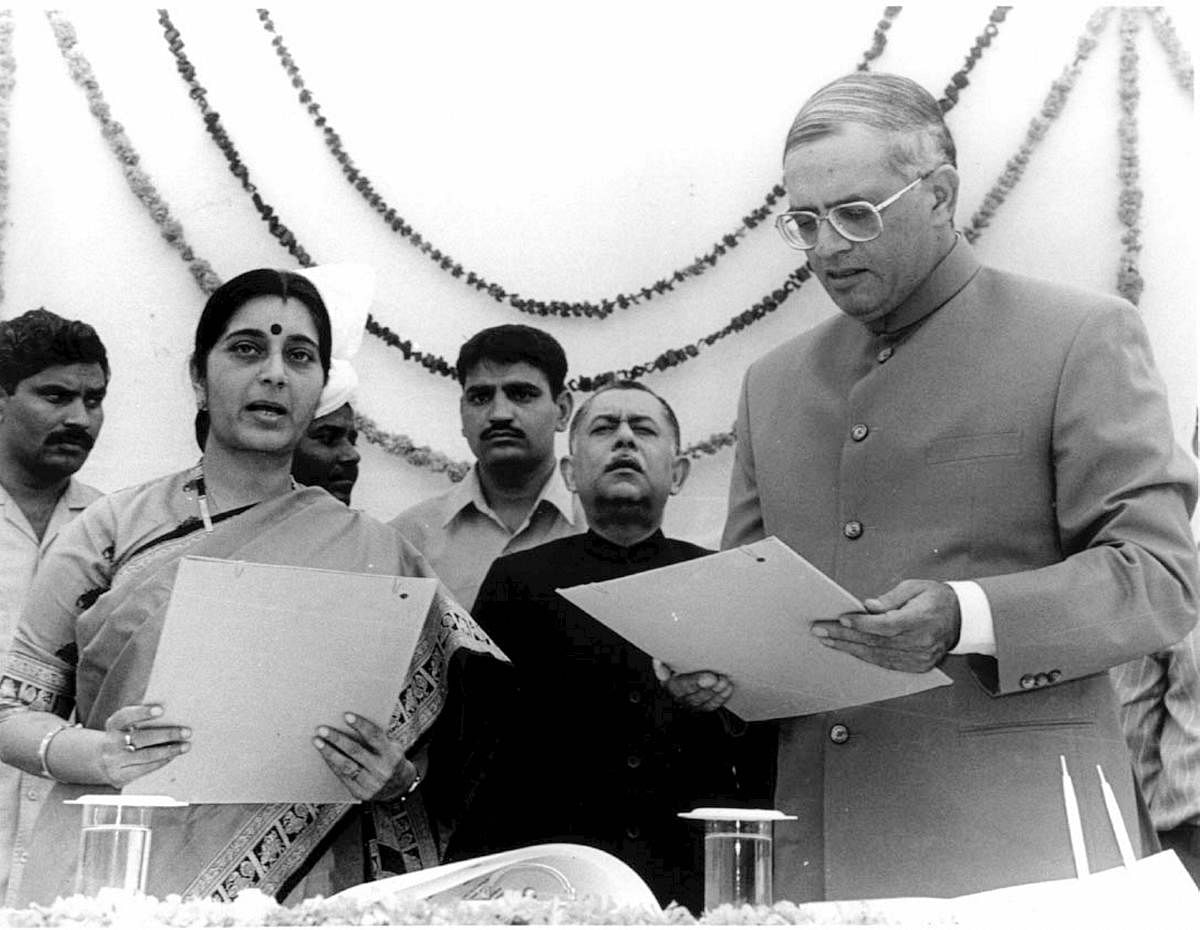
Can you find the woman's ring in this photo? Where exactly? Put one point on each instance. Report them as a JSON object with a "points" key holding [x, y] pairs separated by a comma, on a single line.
{"points": [[129, 741]]}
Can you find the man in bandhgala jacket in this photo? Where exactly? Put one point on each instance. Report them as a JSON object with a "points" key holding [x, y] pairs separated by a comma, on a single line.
{"points": [[987, 459], [602, 750]]}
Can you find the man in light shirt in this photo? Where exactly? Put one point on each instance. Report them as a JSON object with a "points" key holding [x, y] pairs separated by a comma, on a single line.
{"points": [[514, 402], [53, 378], [987, 460]]}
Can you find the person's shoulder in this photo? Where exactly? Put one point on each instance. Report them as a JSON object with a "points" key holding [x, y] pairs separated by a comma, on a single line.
{"points": [[814, 339], [1040, 298], [423, 516], [686, 550], [538, 559]]}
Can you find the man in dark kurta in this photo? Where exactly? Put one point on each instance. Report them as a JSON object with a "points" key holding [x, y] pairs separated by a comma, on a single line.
{"points": [[602, 750]]}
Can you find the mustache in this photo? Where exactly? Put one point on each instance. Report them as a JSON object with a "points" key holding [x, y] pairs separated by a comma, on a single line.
{"points": [[630, 463], [75, 435], [502, 431]]}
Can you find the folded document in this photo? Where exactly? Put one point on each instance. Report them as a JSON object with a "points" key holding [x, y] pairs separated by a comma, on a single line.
{"points": [[746, 613]]}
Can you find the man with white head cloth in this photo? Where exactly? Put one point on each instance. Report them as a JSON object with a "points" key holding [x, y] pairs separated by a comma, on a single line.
{"points": [[326, 457]]}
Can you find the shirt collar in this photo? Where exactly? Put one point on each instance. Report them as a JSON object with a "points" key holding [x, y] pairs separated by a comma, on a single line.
{"points": [[469, 493], [76, 496], [642, 551], [948, 277]]}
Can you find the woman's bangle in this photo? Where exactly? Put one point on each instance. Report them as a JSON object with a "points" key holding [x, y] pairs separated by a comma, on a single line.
{"points": [[44, 748]]}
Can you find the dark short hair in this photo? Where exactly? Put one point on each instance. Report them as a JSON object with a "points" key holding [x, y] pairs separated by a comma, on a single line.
{"points": [[38, 339], [235, 293], [888, 102], [624, 385], [512, 343]]}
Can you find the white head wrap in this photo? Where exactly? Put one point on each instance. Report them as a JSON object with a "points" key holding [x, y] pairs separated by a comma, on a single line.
{"points": [[347, 289]]}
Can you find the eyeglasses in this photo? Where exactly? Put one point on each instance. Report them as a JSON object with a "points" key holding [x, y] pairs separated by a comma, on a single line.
{"points": [[857, 221]]}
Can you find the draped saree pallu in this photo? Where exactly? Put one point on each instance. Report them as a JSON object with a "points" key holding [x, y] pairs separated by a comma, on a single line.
{"points": [[217, 850]]}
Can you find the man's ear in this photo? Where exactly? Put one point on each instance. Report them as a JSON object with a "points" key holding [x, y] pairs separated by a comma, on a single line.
{"points": [[567, 467], [944, 184], [680, 469], [565, 401]]}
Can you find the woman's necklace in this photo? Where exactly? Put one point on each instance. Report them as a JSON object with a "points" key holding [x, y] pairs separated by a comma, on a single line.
{"points": [[202, 499], [202, 496]]}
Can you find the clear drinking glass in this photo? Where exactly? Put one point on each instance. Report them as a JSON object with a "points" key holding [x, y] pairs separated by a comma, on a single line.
{"points": [[737, 854], [114, 842]]}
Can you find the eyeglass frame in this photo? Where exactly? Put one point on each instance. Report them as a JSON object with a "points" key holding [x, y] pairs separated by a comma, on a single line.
{"points": [[876, 208]]}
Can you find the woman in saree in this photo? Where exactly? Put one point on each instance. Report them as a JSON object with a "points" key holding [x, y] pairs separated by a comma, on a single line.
{"points": [[87, 639]]}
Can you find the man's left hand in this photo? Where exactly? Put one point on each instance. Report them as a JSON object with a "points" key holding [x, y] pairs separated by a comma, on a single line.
{"points": [[909, 628], [700, 690]]}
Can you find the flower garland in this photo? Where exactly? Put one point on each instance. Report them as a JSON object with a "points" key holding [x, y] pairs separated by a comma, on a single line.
{"points": [[879, 39], [1129, 203], [8, 68], [1177, 56], [1052, 108], [114, 133], [589, 309], [959, 80], [401, 446], [212, 124]]}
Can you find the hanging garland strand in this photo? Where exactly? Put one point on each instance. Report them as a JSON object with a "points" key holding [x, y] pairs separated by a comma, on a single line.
{"points": [[1177, 56], [1129, 203], [114, 133], [982, 41], [879, 40], [212, 124], [435, 363], [8, 70], [589, 309], [1052, 108]]}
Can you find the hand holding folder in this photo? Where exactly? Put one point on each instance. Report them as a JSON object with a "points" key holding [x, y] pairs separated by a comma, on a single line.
{"points": [[747, 613]]}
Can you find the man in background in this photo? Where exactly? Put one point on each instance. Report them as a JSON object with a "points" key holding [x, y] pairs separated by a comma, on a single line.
{"points": [[327, 456], [601, 750], [53, 378], [514, 400], [1160, 712]]}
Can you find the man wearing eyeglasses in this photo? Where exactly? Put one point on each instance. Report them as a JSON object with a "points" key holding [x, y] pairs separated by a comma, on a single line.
{"points": [[987, 460]]}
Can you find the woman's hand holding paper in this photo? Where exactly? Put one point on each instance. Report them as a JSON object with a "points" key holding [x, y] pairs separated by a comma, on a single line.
{"points": [[372, 766], [700, 690], [133, 745]]}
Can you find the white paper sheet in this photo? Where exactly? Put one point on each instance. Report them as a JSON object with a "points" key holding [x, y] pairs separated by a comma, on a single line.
{"points": [[254, 657], [746, 613]]}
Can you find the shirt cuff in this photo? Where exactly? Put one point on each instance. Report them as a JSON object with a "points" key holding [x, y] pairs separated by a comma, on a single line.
{"points": [[977, 633]]}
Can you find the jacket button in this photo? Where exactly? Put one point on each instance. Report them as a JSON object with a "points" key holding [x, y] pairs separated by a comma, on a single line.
{"points": [[1028, 681], [633, 761], [633, 831], [839, 733], [852, 529], [858, 432], [1055, 675], [635, 697], [884, 354], [1041, 679]]}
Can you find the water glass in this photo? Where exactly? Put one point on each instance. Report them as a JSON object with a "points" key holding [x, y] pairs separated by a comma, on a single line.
{"points": [[114, 842], [737, 855]]}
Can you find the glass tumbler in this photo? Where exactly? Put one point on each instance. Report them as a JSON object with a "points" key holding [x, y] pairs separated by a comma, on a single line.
{"points": [[737, 854], [114, 842]]}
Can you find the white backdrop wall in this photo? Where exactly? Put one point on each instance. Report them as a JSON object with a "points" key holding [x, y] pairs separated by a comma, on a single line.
{"points": [[565, 151]]}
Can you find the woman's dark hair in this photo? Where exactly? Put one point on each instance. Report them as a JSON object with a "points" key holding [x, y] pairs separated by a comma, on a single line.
{"points": [[234, 294]]}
